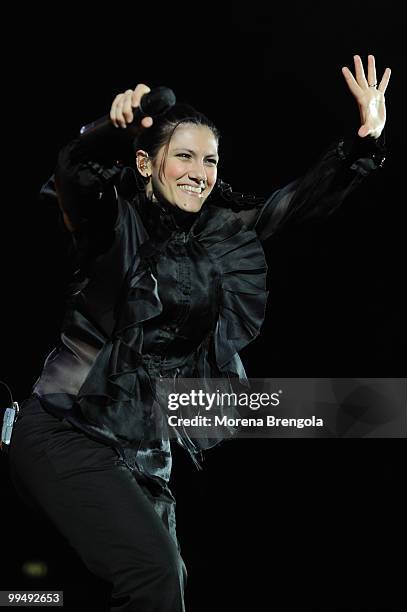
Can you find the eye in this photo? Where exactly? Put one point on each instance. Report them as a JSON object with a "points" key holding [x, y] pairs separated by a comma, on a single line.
{"points": [[188, 156]]}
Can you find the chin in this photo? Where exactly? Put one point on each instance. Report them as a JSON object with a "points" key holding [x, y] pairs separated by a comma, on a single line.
{"points": [[190, 206]]}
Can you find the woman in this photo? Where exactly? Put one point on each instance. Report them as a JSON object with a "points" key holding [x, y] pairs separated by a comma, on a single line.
{"points": [[170, 284]]}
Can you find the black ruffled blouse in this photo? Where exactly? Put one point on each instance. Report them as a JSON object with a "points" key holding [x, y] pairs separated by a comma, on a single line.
{"points": [[161, 293]]}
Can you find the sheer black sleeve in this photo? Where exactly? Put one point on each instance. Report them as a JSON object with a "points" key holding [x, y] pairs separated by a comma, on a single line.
{"points": [[320, 191], [85, 191]]}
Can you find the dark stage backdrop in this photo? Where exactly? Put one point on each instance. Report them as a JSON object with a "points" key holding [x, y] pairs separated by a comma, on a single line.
{"points": [[269, 525]]}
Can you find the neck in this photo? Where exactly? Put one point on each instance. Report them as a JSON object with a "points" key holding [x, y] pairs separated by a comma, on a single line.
{"points": [[161, 217], [182, 218]]}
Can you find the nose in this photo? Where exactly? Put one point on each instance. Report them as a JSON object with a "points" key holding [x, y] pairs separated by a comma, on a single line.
{"points": [[199, 178], [197, 173]]}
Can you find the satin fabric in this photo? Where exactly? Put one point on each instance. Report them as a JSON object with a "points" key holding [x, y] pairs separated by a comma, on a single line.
{"points": [[160, 293], [163, 301]]}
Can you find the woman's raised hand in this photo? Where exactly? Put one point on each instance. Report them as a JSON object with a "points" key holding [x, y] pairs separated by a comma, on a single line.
{"points": [[121, 112], [368, 95]]}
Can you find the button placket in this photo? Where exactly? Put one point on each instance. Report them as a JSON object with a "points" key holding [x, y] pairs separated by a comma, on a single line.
{"points": [[184, 266]]}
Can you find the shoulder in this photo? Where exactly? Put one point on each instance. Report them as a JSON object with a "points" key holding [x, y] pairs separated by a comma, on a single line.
{"points": [[219, 220]]}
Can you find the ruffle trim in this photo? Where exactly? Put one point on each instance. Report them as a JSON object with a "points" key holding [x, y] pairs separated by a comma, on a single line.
{"points": [[239, 257], [118, 394]]}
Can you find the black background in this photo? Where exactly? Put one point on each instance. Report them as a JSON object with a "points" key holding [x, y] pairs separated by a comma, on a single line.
{"points": [[268, 525]]}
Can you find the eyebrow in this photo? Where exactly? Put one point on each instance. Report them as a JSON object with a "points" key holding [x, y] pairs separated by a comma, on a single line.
{"points": [[193, 152]]}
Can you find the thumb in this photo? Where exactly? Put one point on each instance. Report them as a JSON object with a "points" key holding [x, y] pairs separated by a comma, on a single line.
{"points": [[363, 131], [147, 122]]}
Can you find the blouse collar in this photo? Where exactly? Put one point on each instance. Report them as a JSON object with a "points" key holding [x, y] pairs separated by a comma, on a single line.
{"points": [[162, 218]]}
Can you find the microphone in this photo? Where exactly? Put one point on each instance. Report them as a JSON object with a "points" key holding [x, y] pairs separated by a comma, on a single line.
{"points": [[102, 138]]}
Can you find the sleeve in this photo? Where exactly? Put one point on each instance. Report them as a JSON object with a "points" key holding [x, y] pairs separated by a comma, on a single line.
{"points": [[321, 190], [86, 193]]}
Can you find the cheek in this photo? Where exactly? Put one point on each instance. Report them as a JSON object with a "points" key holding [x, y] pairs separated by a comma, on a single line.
{"points": [[175, 170], [212, 175]]}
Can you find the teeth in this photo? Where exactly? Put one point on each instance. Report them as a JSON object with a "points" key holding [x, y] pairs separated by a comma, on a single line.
{"points": [[190, 188]]}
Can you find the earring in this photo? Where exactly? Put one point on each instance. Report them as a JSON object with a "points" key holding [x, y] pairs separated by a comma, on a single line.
{"points": [[145, 179]]}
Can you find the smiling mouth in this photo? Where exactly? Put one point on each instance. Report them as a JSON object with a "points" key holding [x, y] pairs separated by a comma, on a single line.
{"points": [[193, 191]]}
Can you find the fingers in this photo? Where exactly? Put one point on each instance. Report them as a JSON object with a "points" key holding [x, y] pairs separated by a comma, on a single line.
{"points": [[138, 93], [121, 109], [372, 78], [350, 80], [371, 71], [360, 82], [359, 71], [385, 80], [121, 112]]}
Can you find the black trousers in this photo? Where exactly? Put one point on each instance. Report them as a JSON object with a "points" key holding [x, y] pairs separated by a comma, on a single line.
{"points": [[122, 528]]}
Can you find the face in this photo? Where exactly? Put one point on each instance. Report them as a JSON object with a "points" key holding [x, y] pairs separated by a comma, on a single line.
{"points": [[190, 171]]}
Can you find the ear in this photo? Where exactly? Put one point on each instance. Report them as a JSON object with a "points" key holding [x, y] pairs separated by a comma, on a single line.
{"points": [[143, 163]]}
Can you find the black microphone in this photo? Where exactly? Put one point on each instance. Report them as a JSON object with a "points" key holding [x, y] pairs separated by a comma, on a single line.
{"points": [[102, 138]]}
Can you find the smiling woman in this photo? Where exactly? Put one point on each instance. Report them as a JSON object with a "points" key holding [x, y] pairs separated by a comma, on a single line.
{"points": [[184, 171], [170, 283]]}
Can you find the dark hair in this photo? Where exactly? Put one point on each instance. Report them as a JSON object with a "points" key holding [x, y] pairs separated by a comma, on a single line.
{"points": [[164, 126], [160, 133]]}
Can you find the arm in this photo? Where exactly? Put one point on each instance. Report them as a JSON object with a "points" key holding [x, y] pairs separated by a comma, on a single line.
{"points": [[86, 195], [340, 169], [322, 189], [85, 186]]}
